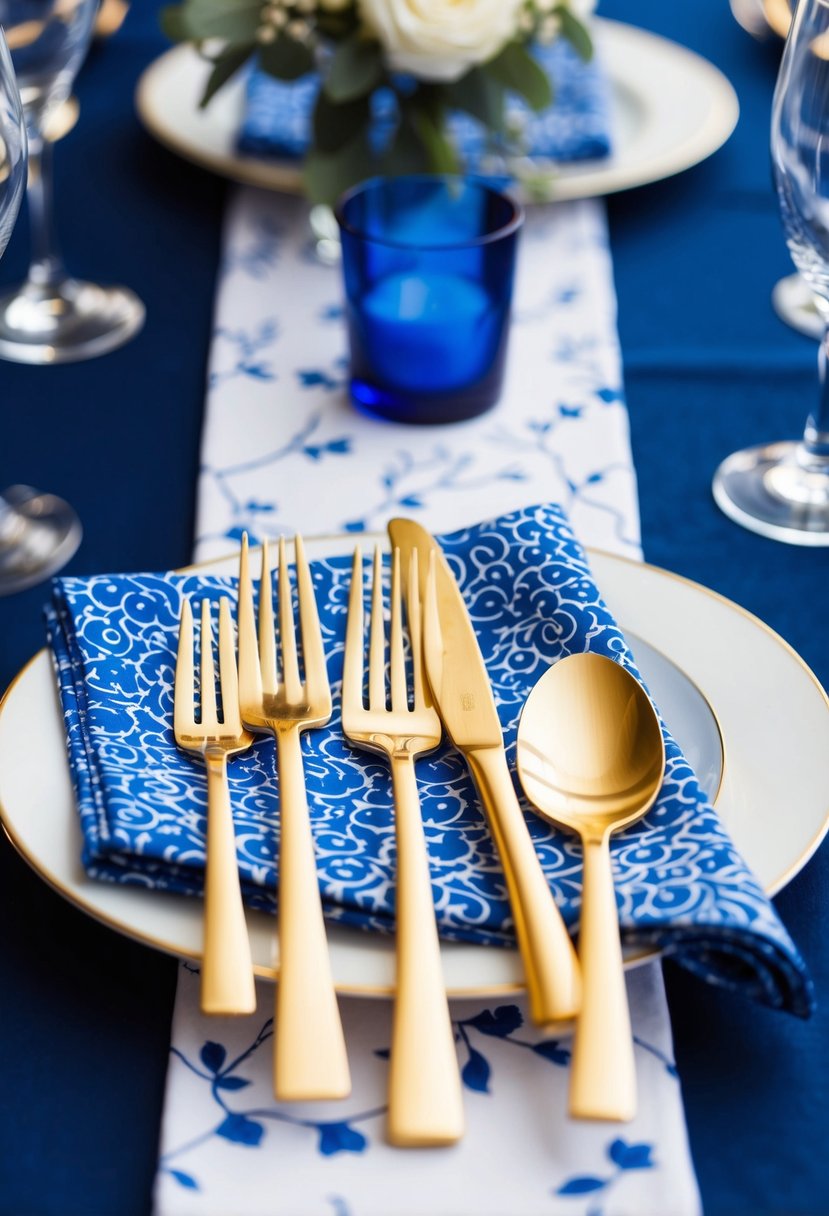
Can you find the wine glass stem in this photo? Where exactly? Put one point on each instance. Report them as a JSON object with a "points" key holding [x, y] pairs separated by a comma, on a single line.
{"points": [[46, 267]]}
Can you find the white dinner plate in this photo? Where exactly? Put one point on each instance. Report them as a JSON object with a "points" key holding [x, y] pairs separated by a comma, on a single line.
{"points": [[751, 717], [670, 110]]}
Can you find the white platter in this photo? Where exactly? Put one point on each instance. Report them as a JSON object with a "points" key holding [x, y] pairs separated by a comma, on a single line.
{"points": [[670, 110], [724, 681]]}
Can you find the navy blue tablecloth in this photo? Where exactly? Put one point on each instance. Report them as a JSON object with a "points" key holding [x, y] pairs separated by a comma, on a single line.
{"points": [[84, 1014]]}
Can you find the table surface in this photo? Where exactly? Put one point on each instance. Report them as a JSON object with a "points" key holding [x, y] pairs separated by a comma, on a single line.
{"points": [[84, 1016]]}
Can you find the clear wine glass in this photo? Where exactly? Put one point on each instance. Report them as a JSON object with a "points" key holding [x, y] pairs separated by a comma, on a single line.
{"points": [[782, 489], [794, 302], [52, 317], [38, 532]]}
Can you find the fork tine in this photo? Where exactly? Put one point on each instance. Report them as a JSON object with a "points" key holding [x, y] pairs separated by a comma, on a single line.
{"points": [[421, 694], [287, 630], [397, 658], [207, 671], [250, 680], [377, 641], [353, 665], [313, 653], [227, 669], [183, 716], [267, 637]]}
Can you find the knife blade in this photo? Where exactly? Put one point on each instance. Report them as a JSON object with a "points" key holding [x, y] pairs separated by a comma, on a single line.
{"points": [[463, 695]]}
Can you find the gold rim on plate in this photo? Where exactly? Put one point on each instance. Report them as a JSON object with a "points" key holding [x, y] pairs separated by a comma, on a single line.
{"points": [[489, 990]]}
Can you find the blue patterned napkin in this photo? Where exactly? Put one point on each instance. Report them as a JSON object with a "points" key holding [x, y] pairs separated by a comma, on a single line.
{"points": [[576, 127], [681, 884]]}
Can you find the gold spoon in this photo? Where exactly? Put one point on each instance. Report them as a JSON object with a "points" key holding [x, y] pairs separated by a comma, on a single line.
{"points": [[591, 758]]}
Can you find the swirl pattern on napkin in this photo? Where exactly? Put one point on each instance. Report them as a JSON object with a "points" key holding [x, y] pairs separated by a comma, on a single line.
{"points": [[681, 884]]}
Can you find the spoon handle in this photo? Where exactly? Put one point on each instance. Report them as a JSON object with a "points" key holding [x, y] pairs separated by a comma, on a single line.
{"points": [[550, 963], [603, 1074]]}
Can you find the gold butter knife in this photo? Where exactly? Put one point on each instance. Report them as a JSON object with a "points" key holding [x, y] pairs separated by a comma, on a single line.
{"points": [[462, 693]]}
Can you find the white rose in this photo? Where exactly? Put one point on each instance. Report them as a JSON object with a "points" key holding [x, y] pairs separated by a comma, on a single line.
{"points": [[440, 39]]}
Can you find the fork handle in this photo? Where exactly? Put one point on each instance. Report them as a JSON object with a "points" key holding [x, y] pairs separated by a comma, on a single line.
{"points": [[550, 963], [310, 1060], [227, 984], [425, 1103]]}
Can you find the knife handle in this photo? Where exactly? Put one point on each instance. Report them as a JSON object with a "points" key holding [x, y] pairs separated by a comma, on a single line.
{"points": [[550, 962]]}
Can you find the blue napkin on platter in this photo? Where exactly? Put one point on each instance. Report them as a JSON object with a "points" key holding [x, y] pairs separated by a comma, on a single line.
{"points": [[277, 117], [681, 884]]}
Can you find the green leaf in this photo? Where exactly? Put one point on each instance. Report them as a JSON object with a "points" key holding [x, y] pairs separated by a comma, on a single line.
{"points": [[406, 153], [335, 124], [576, 34], [286, 58], [355, 70], [225, 66], [336, 26], [173, 21], [518, 71], [236, 22], [480, 95], [328, 174], [430, 131]]}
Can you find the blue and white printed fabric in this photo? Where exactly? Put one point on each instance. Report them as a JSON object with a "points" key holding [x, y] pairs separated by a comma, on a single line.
{"points": [[577, 127], [283, 450], [229, 1149], [681, 884]]}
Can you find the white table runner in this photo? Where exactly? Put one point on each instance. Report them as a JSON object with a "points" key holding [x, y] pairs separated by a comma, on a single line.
{"points": [[283, 450]]}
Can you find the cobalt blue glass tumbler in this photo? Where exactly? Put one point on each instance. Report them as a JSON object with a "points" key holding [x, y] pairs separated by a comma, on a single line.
{"points": [[428, 264]]}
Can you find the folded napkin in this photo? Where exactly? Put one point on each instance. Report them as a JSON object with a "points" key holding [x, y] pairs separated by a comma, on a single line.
{"points": [[277, 118], [681, 884]]}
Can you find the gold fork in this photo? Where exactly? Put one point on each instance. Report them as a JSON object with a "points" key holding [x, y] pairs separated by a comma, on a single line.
{"points": [[310, 1060], [425, 1105], [227, 984]]}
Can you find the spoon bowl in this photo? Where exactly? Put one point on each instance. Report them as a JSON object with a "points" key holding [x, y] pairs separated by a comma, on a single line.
{"points": [[591, 758]]}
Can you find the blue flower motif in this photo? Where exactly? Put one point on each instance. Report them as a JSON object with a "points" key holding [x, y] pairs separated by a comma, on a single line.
{"points": [[241, 1130], [212, 1056], [262, 508], [476, 1072], [185, 1180], [232, 1083], [609, 395], [631, 1156], [340, 1138], [582, 1186], [339, 447], [503, 1022], [314, 378], [623, 1155], [551, 1050], [259, 371]]}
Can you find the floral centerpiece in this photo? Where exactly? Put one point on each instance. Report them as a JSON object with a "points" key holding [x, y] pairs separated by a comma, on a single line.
{"points": [[424, 58]]}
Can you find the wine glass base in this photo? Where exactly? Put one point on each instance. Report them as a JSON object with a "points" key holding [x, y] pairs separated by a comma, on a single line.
{"points": [[794, 302], [66, 322], [768, 490], [39, 533]]}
